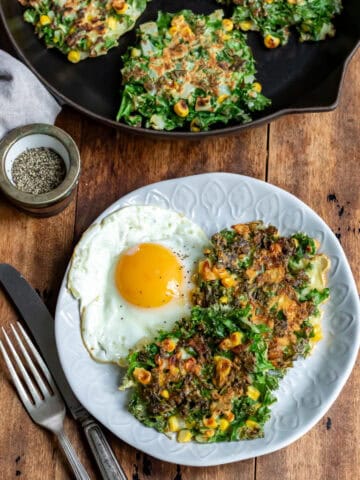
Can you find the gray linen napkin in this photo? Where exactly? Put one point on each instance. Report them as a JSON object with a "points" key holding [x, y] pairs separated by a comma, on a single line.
{"points": [[23, 99]]}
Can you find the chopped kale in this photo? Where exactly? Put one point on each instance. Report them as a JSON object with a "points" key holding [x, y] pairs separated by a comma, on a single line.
{"points": [[312, 19], [189, 71]]}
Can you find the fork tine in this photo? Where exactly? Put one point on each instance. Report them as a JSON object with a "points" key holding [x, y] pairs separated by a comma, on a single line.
{"points": [[41, 384], [17, 382], [38, 358], [27, 379]]}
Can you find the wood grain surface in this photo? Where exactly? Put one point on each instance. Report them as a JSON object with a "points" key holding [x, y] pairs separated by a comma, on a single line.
{"points": [[314, 156]]}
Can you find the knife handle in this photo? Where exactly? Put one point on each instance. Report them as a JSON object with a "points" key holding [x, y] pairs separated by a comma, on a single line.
{"points": [[104, 456]]}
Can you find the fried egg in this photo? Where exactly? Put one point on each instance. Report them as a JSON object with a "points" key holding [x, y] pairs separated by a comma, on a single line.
{"points": [[132, 276]]}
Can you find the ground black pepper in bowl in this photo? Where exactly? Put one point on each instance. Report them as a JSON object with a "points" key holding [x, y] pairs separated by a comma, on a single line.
{"points": [[38, 170]]}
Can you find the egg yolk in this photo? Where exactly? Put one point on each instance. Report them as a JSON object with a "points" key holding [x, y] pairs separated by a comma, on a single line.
{"points": [[148, 275]]}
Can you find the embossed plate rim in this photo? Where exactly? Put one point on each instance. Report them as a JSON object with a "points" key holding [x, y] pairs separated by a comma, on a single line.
{"points": [[300, 404]]}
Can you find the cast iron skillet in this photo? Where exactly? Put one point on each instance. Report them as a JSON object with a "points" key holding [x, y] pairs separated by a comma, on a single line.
{"points": [[298, 77]]}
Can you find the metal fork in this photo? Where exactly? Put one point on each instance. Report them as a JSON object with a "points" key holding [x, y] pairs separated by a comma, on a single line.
{"points": [[47, 409]]}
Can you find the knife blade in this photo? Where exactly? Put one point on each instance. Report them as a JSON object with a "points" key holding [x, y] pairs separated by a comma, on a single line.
{"points": [[41, 324]]}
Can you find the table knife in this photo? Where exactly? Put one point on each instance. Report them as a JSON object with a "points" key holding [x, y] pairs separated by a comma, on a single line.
{"points": [[41, 324]]}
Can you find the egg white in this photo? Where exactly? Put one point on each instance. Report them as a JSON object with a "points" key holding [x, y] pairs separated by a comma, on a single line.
{"points": [[110, 325]]}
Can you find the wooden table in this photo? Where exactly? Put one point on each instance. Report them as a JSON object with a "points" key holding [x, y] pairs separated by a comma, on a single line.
{"points": [[314, 156]]}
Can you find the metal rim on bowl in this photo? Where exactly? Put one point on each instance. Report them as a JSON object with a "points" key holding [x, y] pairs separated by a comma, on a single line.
{"points": [[54, 196]]}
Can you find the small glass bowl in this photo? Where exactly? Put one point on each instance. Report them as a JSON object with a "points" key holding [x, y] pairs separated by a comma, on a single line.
{"points": [[35, 136]]}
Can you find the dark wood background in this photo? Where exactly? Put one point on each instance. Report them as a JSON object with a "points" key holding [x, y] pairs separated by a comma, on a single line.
{"points": [[314, 156]]}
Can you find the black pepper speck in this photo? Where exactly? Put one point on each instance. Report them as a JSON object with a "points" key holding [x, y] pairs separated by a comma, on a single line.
{"points": [[38, 171]]}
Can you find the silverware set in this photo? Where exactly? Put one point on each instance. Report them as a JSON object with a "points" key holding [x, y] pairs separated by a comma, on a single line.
{"points": [[45, 395], [39, 394]]}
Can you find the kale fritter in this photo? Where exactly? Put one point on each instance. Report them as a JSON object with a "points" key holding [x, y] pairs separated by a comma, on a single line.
{"points": [[281, 279], [190, 71], [313, 19], [208, 379], [83, 28]]}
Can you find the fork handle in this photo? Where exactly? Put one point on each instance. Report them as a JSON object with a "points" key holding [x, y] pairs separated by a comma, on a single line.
{"points": [[73, 459], [104, 456]]}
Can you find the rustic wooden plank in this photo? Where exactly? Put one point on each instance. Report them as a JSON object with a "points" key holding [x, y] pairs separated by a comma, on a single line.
{"points": [[317, 140], [40, 249], [316, 157], [115, 164]]}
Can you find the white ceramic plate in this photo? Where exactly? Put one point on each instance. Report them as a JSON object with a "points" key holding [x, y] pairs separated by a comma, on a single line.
{"points": [[215, 201]]}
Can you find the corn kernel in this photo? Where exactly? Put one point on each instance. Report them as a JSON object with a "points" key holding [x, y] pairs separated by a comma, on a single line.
{"points": [[161, 379], [230, 416], [223, 368], [252, 392], [257, 87], [173, 423], [186, 31], [251, 274], [173, 30], [45, 20], [210, 422], [181, 109], [225, 344], [177, 20], [158, 360], [305, 27], [271, 42], [236, 338], [251, 424], [223, 424], [73, 56], [112, 22], [194, 125], [227, 24], [190, 364], [122, 10], [168, 345], [174, 370], [242, 229], [220, 272], [142, 375], [184, 436], [206, 271], [135, 52], [317, 334], [221, 98], [224, 299], [165, 394], [245, 25], [228, 282]]}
